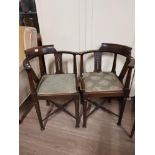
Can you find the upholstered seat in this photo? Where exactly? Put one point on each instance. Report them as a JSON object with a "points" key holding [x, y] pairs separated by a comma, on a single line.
{"points": [[102, 81], [57, 84]]}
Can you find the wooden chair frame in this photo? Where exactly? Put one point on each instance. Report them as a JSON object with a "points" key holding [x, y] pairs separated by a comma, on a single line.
{"points": [[34, 81], [126, 70]]}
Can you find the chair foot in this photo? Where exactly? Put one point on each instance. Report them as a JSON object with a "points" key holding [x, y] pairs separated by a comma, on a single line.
{"points": [[84, 113], [37, 107], [132, 131], [77, 113], [42, 128], [47, 103], [77, 126], [84, 125], [119, 123], [122, 107]]}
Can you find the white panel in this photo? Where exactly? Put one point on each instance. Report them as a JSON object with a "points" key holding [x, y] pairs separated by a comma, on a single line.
{"points": [[82, 25], [113, 21], [59, 23]]}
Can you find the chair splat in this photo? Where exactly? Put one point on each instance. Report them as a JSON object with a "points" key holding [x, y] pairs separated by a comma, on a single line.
{"points": [[114, 63], [97, 61], [58, 63]]}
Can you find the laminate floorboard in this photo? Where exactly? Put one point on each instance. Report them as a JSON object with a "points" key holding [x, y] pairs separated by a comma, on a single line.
{"points": [[60, 137]]}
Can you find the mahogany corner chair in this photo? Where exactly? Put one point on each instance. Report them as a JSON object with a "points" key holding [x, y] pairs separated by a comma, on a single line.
{"points": [[105, 84], [51, 86]]}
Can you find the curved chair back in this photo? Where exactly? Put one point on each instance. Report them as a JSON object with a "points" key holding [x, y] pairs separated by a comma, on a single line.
{"points": [[116, 49], [49, 49], [38, 52]]}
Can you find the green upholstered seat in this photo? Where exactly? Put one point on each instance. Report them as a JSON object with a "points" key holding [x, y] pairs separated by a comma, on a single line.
{"points": [[102, 81], [57, 84]]}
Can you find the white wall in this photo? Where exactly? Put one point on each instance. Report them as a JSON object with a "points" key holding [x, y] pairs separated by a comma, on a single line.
{"points": [[79, 25], [58, 21], [86, 23]]}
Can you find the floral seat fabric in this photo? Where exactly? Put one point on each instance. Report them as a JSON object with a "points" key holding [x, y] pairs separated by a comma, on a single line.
{"points": [[102, 81], [57, 83]]}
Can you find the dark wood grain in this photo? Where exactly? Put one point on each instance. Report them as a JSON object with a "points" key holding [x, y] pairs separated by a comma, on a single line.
{"points": [[116, 48], [97, 61], [124, 69], [58, 63], [81, 64], [114, 63]]}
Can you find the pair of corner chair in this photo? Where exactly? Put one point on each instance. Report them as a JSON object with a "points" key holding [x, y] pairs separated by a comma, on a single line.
{"points": [[78, 88]]}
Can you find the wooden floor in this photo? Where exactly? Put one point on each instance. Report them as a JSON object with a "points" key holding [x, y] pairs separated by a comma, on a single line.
{"points": [[101, 137]]}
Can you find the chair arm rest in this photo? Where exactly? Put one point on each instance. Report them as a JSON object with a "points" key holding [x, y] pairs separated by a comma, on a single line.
{"points": [[27, 65], [132, 62], [31, 74]]}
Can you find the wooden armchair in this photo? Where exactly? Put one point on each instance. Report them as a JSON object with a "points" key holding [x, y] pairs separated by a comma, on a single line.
{"points": [[52, 86], [105, 84]]}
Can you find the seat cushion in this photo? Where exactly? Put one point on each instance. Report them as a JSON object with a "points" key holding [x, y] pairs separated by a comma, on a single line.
{"points": [[57, 84], [102, 81]]}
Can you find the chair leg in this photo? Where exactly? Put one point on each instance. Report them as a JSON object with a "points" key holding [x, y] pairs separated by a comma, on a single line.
{"points": [[77, 113], [47, 102], [81, 97], [132, 131], [37, 107], [109, 100], [84, 113], [122, 107]]}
